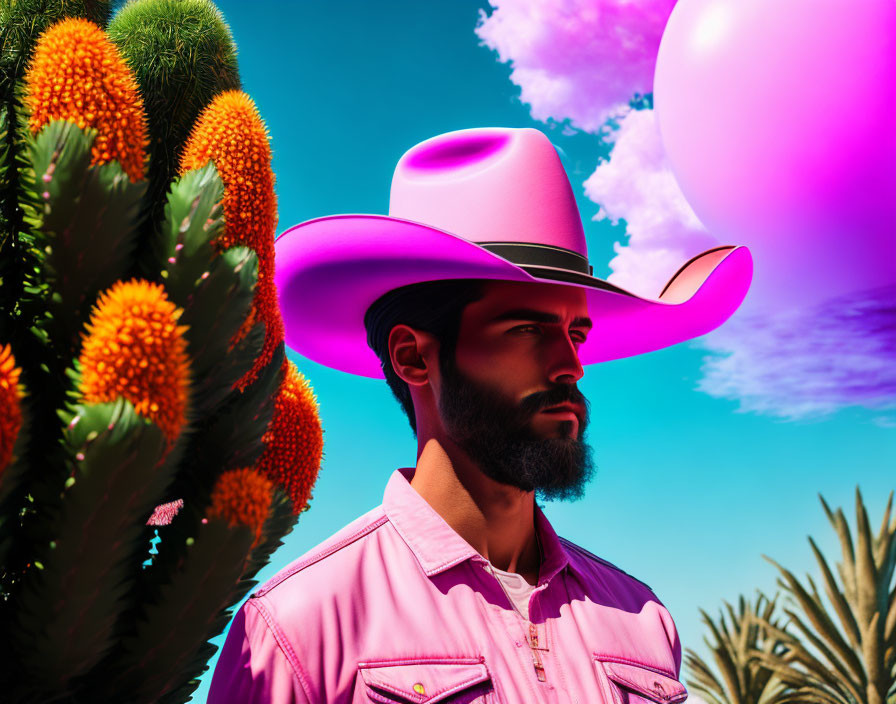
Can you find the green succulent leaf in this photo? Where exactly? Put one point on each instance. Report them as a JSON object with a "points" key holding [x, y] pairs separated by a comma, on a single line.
{"points": [[171, 630], [67, 609], [194, 218], [88, 228], [21, 23], [279, 523], [215, 290], [241, 424], [221, 301], [7, 170], [228, 438]]}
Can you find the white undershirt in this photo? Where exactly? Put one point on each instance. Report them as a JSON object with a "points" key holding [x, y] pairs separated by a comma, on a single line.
{"points": [[518, 589]]}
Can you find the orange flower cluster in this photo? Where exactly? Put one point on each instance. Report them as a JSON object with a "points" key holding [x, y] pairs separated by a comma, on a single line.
{"points": [[77, 74], [230, 133], [11, 394], [242, 497], [134, 348], [294, 439]]}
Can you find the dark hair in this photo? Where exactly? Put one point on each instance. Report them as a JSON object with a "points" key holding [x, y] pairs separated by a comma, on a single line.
{"points": [[434, 307]]}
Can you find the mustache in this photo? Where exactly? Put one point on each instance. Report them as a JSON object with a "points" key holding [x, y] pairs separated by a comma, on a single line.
{"points": [[562, 393]]}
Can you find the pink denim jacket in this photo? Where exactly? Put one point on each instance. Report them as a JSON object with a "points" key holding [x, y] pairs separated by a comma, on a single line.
{"points": [[397, 607]]}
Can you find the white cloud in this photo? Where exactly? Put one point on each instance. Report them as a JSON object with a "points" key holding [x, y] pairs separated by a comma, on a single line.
{"points": [[580, 60], [636, 185]]}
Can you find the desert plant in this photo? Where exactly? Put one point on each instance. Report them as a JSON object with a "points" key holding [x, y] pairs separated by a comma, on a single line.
{"points": [[183, 55], [21, 23], [740, 677], [844, 653], [145, 396]]}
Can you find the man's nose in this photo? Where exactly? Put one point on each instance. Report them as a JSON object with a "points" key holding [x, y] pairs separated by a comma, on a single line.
{"points": [[565, 366]]}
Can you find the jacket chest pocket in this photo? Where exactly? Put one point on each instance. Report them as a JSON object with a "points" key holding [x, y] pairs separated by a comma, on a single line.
{"points": [[426, 681], [630, 683]]}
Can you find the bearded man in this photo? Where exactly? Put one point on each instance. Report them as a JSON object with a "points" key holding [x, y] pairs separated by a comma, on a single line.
{"points": [[474, 299]]}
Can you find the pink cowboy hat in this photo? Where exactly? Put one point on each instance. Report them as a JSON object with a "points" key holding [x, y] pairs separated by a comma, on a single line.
{"points": [[489, 203]]}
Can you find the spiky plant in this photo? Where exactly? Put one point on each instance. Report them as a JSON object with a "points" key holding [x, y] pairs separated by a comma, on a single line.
{"points": [[737, 639], [249, 200], [137, 411], [21, 23], [183, 55], [844, 651]]}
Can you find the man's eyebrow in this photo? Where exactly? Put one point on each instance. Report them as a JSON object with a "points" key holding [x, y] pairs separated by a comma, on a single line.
{"points": [[539, 316]]}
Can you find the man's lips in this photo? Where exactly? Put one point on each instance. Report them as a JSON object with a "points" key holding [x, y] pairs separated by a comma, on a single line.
{"points": [[566, 411]]}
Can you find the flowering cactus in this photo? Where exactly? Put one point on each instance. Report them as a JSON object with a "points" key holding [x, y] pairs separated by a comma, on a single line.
{"points": [[145, 397], [230, 133], [77, 74], [134, 349], [21, 23], [293, 441], [182, 54]]}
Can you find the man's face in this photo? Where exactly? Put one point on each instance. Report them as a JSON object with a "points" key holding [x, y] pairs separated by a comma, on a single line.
{"points": [[509, 395]]}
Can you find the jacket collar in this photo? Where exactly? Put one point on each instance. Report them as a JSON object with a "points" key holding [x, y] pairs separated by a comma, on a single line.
{"points": [[437, 546]]}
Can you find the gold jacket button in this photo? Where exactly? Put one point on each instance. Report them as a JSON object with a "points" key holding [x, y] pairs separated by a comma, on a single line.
{"points": [[419, 689]]}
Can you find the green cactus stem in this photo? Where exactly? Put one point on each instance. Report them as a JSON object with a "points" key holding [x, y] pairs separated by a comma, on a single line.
{"points": [[87, 233], [68, 605], [182, 54], [214, 290], [21, 23], [171, 631]]}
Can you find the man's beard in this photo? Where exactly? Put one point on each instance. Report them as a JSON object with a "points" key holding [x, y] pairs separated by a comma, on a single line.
{"points": [[496, 433]]}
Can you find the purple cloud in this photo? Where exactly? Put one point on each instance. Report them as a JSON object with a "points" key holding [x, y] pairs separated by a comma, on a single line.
{"points": [[581, 60], [802, 364]]}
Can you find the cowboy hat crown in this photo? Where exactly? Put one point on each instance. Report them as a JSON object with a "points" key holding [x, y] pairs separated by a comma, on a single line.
{"points": [[491, 186], [485, 203]]}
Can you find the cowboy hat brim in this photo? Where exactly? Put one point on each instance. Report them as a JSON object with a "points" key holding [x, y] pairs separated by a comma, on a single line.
{"points": [[328, 272]]}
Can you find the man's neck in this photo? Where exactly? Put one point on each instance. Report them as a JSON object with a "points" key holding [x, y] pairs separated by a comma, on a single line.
{"points": [[496, 519]]}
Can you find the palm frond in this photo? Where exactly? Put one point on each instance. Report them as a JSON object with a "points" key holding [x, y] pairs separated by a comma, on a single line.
{"points": [[853, 657], [739, 640]]}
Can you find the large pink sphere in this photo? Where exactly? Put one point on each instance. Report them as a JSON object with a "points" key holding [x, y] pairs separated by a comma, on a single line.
{"points": [[779, 121]]}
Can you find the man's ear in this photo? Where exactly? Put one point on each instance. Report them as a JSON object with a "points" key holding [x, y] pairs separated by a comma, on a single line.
{"points": [[412, 352]]}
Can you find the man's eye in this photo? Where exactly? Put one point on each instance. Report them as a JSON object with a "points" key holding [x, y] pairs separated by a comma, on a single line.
{"points": [[578, 337], [527, 328]]}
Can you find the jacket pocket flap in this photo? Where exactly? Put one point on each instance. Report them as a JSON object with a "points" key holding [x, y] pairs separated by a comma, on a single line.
{"points": [[424, 681], [646, 682]]}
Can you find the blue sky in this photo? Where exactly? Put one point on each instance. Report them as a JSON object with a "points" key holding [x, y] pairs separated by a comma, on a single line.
{"points": [[689, 493]]}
